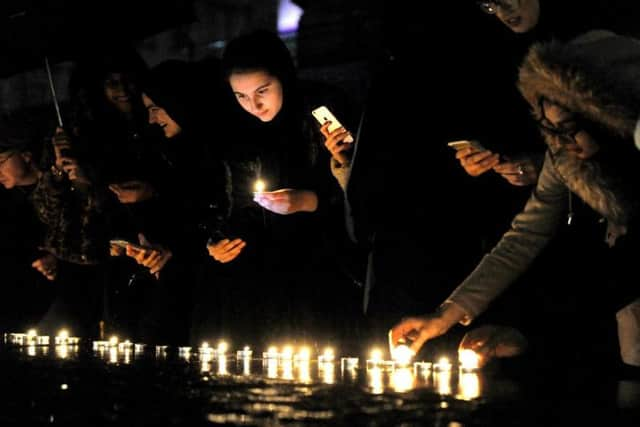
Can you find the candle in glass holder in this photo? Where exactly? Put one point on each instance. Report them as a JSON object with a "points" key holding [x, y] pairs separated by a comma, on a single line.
{"points": [[245, 353], [443, 365], [271, 353], [402, 354], [375, 358], [469, 360], [327, 355]]}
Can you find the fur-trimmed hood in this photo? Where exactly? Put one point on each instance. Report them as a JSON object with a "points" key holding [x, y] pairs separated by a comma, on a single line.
{"points": [[596, 75]]}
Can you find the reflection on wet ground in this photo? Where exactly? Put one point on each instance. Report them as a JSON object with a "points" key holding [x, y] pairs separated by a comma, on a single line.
{"points": [[135, 385]]}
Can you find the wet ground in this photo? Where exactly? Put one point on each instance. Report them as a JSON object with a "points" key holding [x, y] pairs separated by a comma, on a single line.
{"points": [[80, 386]]}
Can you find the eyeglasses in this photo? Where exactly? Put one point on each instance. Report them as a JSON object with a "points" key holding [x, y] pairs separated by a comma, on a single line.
{"points": [[491, 7], [563, 136]]}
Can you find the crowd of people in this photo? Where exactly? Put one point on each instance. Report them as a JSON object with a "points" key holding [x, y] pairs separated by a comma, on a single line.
{"points": [[144, 213]]}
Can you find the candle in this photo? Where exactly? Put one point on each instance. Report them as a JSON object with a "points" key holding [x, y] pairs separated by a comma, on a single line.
{"points": [[271, 353], [327, 355], [245, 353], [222, 348], [327, 372], [402, 354], [469, 360], [259, 186], [375, 358], [402, 380], [303, 355], [443, 365], [62, 337]]}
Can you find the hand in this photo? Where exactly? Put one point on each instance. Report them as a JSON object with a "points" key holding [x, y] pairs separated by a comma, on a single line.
{"points": [[132, 191], [494, 341], [115, 250], [335, 143], [226, 250], [64, 161], [47, 265], [476, 162], [418, 330], [287, 201], [154, 257], [520, 171]]}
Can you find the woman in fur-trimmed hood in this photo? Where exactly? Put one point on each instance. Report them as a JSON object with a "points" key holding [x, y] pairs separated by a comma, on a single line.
{"points": [[585, 95]]}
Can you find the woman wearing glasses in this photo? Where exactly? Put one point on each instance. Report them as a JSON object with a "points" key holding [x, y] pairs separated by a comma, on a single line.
{"points": [[586, 100]]}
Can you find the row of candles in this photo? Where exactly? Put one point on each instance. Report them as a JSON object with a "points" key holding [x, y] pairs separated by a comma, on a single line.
{"points": [[400, 374], [401, 355]]}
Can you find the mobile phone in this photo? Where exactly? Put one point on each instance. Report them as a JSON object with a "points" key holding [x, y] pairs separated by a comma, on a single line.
{"points": [[121, 243], [464, 143], [323, 115]]}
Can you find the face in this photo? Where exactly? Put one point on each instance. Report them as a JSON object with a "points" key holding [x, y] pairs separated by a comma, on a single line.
{"points": [[119, 92], [565, 132], [16, 170], [159, 116], [521, 16], [259, 93]]}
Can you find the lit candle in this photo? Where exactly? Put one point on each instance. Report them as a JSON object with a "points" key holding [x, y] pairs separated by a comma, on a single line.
{"points": [[139, 348], [443, 382], [272, 367], [422, 370], [469, 360], [259, 186], [32, 334], [113, 341], [327, 355], [443, 365], [99, 345], [402, 354], [375, 358], [349, 363], [271, 353], [161, 351], [222, 349], [222, 365], [303, 355], [62, 337], [125, 345], [184, 352], [376, 382], [287, 353], [245, 353]]}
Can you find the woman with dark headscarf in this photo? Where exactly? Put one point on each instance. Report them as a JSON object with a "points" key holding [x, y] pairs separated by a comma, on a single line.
{"points": [[272, 243]]}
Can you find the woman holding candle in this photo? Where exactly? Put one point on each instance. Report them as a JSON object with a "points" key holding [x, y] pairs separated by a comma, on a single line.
{"points": [[273, 239], [586, 101]]}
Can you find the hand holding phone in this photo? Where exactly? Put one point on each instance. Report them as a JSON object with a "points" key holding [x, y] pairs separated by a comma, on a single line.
{"points": [[323, 115]]}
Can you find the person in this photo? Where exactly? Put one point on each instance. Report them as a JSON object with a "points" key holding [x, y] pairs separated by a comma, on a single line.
{"points": [[585, 100], [191, 192], [273, 241], [73, 243]]}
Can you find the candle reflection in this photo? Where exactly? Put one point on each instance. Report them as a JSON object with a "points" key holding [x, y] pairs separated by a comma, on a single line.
{"points": [[113, 354], [468, 386], [304, 374], [443, 382], [327, 372], [31, 350], [205, 361], [376, 383], [222, 365], [287, 369], [272, 368], [402, 380], [246, 366], [62, 351]]}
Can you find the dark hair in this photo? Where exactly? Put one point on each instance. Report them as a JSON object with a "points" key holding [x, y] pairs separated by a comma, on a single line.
{"points": [[259, 50]]}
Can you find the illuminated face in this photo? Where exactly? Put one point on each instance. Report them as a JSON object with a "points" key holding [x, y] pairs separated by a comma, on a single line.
{"points": [[16, 169], [118, 92], [565, 131], [259, 93], [521, 17], [159, 116]]}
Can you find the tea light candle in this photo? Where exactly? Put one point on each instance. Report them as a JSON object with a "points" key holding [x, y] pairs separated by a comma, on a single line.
{"points": [[327, 355], [469, 360], [349, 363], [245, 353], [271, 353], [402, 354], [443, 365]]}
